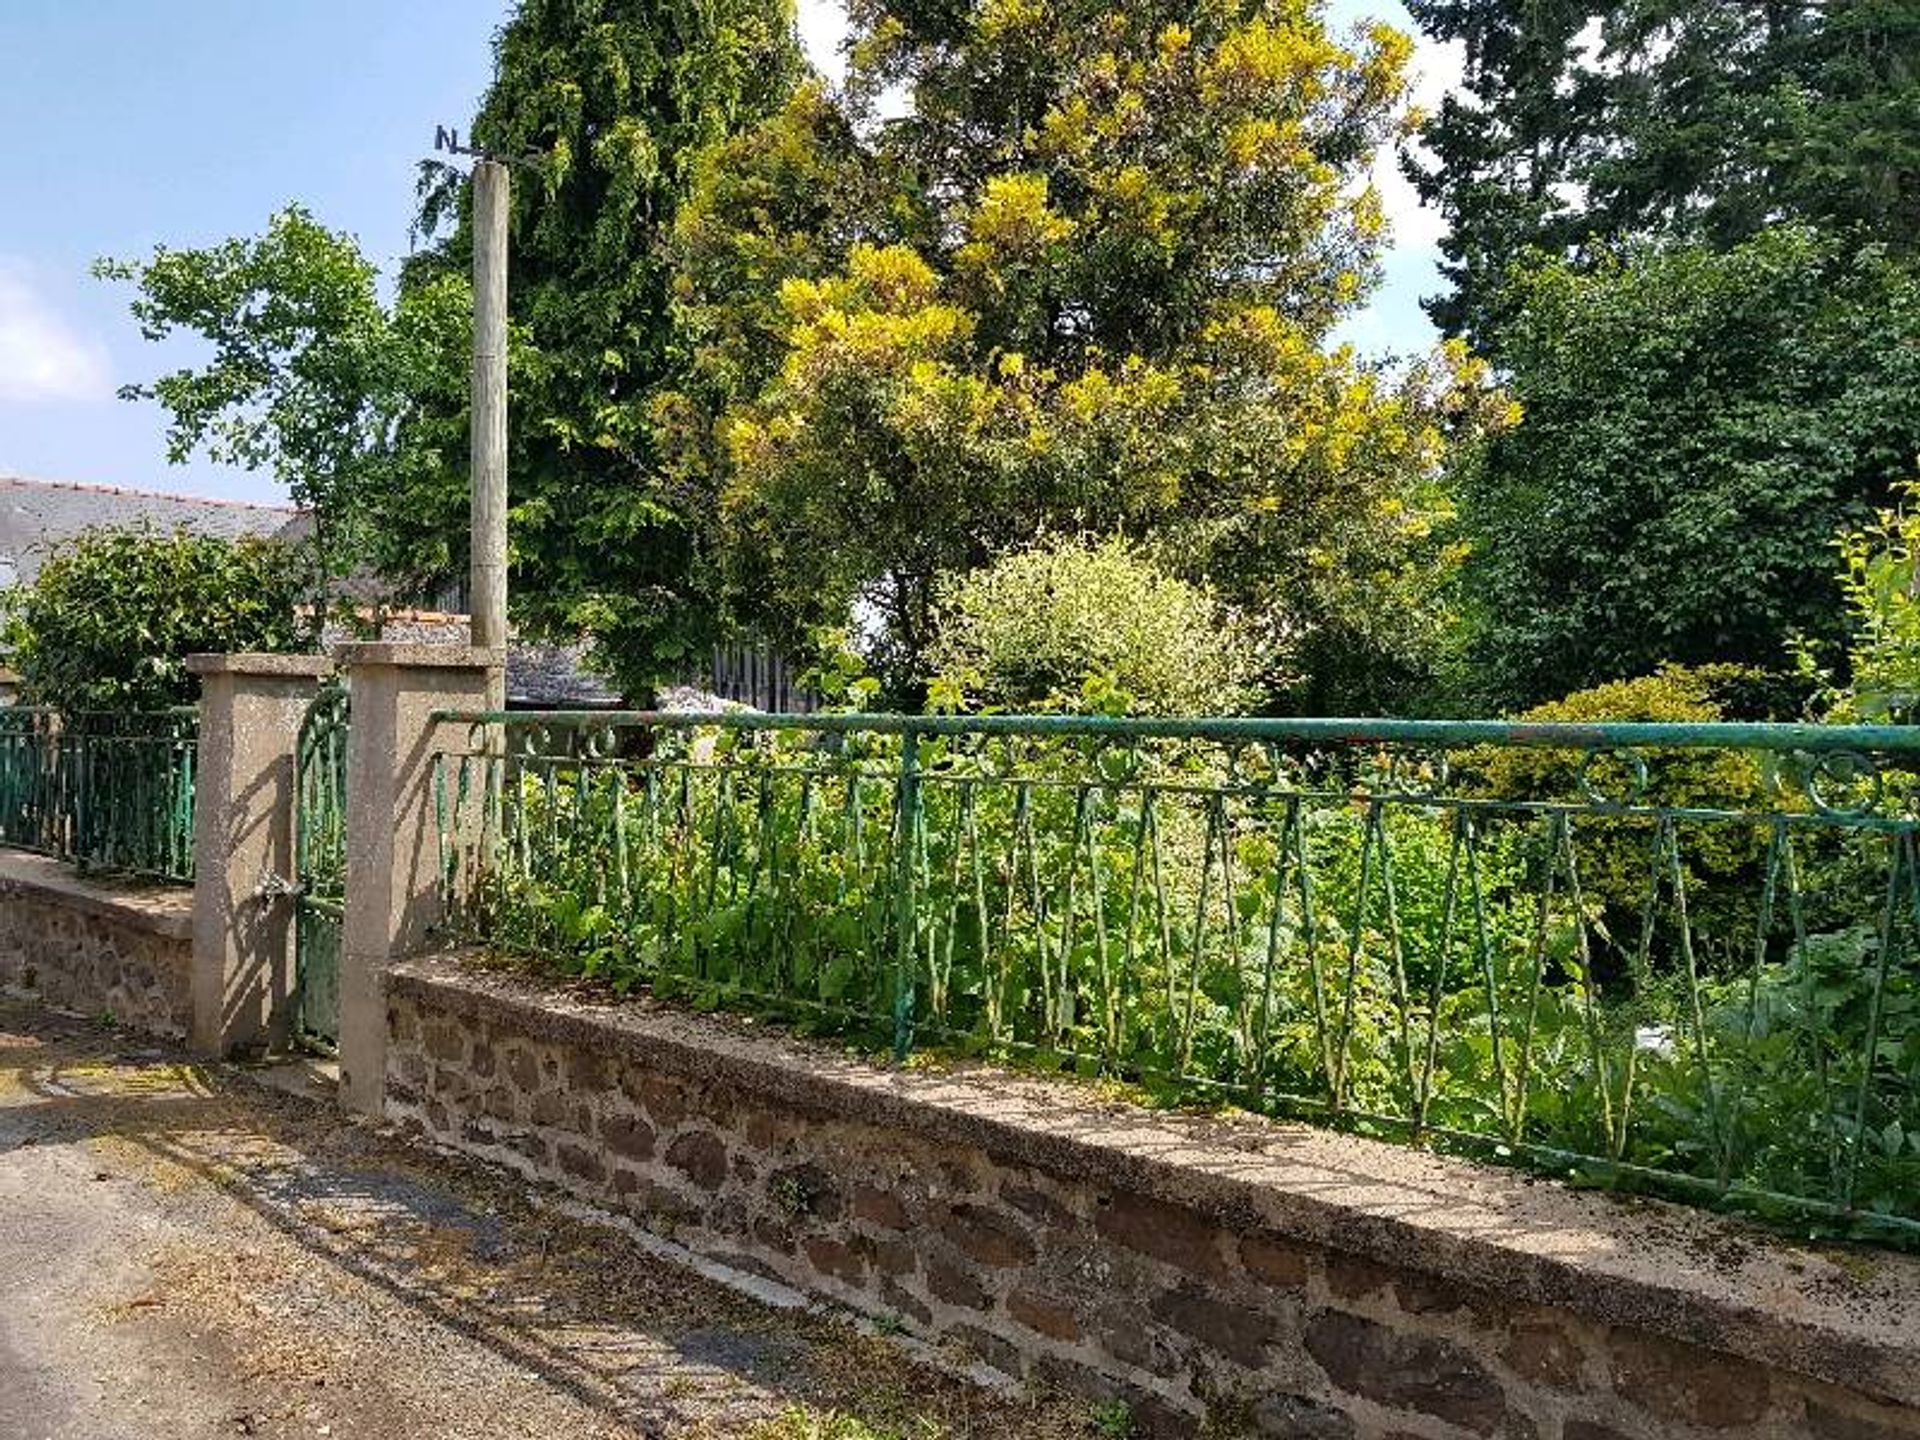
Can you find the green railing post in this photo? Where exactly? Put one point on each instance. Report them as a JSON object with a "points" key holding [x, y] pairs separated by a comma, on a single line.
{"points": [[906, 918]]}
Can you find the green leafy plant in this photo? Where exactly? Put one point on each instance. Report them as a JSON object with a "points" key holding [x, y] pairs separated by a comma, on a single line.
{"points": [[1096, 293], [1879, 580], [312, 379], [112, 614], [1699, 425], [1330, 934], [1617, 863], [1029, 631], [790, 1195]]}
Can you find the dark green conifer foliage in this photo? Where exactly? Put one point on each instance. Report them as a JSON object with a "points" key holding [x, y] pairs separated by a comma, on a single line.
{"points": [[602, 104]]}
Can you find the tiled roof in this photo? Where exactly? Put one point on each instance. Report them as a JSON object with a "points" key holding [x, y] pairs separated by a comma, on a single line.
{"points": [[36, 515], [555, 677]]}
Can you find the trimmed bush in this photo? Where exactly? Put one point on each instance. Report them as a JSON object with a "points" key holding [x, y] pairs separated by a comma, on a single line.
{"points": [[1078, 623], [112, 615]]}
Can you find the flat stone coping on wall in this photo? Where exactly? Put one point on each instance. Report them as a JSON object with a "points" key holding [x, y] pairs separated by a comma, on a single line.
{"points": [[1850, 1318], [398, 652], [299, 667], [164, 910]]}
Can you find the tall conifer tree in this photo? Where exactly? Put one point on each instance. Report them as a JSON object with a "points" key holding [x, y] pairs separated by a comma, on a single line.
{"points": [[602, 105]]}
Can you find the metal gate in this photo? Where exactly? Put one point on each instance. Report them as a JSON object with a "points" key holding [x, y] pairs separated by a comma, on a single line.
{"points": [[320, 864]]}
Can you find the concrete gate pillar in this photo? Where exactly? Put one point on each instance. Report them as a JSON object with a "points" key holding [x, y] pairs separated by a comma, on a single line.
{"points": [[251, 707], [393, 889]]}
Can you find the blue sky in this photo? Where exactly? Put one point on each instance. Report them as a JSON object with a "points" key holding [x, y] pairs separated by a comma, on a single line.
{"points": [[130, 123]]}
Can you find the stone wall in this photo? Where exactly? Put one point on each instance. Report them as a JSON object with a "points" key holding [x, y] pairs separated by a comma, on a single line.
{"points": [[1276, 1280], [87, 944]]}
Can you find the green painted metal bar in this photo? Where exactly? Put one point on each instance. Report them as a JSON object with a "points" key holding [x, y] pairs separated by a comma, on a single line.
{"points": [[1813, 739], [320, 854]]}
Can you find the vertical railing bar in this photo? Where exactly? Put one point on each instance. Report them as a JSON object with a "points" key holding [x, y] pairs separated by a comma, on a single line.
{"points": [[1276, 925], [1396, 953], [1197, 951], [1355, 941], [1590, 991], [1677, 878], [1901, 862], [1763, 930], [1523, 1078], [1436, 991], [907, 828]]}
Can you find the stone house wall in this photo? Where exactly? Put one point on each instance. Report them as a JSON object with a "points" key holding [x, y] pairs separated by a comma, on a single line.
{"points": [[94, 946], [1274, 1280]]}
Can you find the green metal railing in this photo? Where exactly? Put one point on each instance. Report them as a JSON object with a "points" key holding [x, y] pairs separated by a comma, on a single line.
{"points": [[104, 791], [1680, 958], [320, 863]]}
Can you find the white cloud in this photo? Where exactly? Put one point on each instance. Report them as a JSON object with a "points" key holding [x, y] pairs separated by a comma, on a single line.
{"points": [[42, 357]]}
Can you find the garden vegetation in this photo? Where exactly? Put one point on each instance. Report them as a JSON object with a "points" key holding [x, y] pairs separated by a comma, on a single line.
{"points": [[111, 616], [1006, 375]]}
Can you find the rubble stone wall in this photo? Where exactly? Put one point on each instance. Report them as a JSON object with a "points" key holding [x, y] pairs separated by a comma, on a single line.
{"points": [[1271, 1280], [91, 945]]}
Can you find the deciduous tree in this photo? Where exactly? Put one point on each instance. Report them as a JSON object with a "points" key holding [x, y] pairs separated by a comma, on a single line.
{"points": [[361, 407], [1699, 426], [310, 378]]}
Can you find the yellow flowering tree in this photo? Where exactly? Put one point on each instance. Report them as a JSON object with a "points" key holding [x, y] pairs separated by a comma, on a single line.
{"points": [[1084, 283]]}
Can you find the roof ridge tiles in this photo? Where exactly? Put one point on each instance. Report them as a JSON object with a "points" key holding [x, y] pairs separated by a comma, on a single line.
{"points": [[29, 482]]}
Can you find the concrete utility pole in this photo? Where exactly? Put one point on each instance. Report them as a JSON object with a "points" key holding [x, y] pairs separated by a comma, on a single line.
{"points": [[487, 606]]}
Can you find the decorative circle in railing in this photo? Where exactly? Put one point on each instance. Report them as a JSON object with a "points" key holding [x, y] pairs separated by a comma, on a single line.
{"points": [[1117, 760], [531, 742], [1845, 784], [1419, 774], [1594, 781]]}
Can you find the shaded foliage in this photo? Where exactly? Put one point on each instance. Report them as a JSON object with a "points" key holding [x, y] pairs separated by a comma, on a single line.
{"points": [[1702, 120], [1698, 428]]}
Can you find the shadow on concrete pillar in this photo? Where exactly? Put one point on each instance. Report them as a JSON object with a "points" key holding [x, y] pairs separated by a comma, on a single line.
{"points": [[393, 893], [251, 707]]}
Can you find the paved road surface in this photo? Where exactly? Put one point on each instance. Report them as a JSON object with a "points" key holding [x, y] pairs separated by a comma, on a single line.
{"points": [[186, 1254]]}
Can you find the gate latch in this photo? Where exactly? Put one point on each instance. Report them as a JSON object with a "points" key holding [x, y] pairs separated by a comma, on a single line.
{"points": [[274, 886]]}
